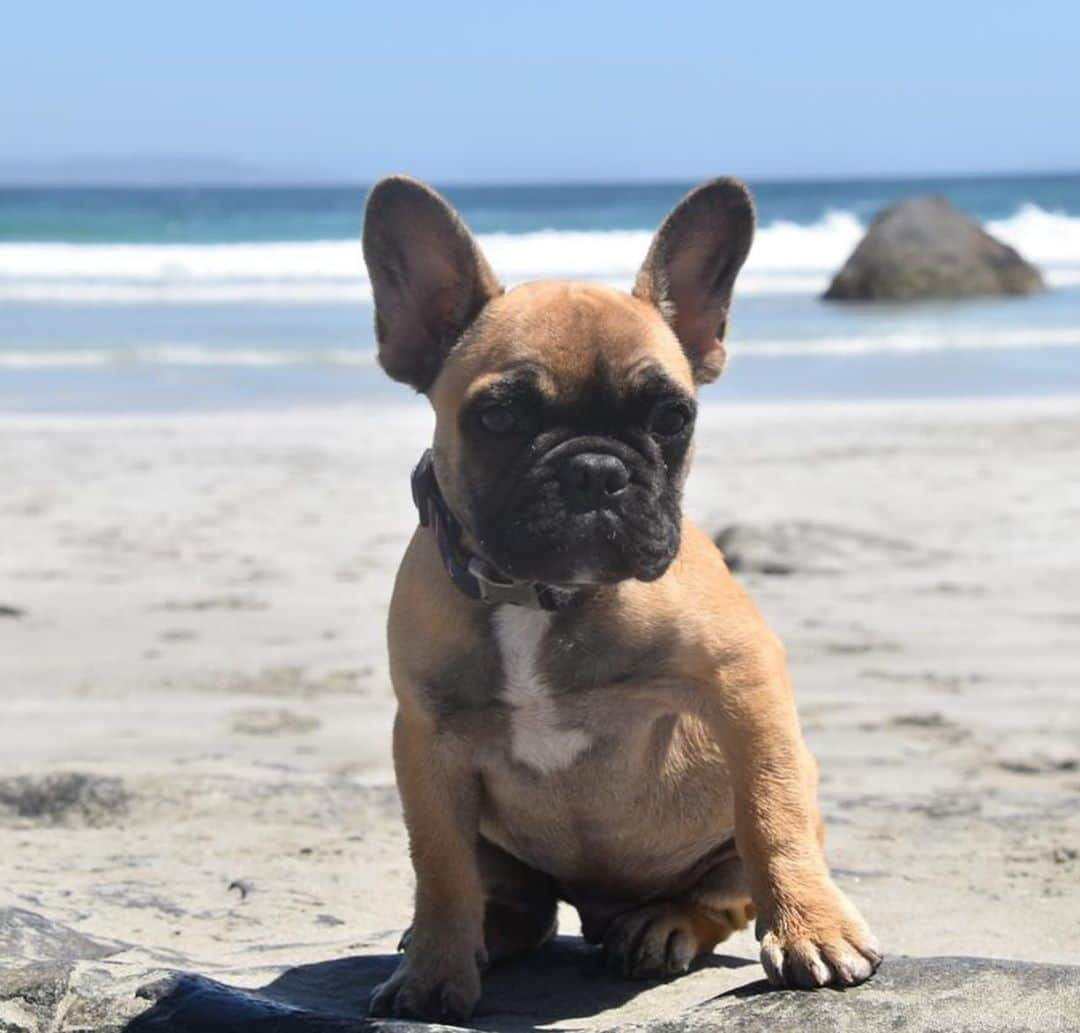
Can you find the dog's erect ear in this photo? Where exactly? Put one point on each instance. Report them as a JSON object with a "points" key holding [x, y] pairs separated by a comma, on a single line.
{"points": [[428, 277], [691, 267]]}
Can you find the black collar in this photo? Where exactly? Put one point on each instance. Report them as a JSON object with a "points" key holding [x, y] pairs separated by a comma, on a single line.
{"points": [[471, 574]]}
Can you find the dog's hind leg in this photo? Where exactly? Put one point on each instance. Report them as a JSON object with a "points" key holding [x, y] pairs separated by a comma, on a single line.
{"points": [[521, 904], [663, 937]]}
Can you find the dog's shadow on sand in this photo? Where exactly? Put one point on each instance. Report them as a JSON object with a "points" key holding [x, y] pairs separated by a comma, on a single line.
{"points": [[563, 982]]}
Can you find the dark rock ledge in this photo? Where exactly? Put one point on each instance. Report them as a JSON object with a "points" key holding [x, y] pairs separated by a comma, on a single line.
{"points": [[53, 978]]}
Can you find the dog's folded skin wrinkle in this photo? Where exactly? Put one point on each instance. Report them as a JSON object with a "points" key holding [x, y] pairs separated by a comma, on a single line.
{"points": [[637, 753]]}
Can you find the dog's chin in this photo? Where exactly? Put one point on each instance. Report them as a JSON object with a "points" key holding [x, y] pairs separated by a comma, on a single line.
{"points": [[592, 549]]}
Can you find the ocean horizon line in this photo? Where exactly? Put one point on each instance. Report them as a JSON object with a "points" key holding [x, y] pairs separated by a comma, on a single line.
{"points": [[328, 183]]}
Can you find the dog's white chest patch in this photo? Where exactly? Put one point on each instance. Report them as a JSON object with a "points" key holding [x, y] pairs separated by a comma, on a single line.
{"points": [[536, 737]]}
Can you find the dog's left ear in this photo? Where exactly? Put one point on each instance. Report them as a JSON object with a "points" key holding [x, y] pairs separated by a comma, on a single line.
{"points": [[690, 270], [428, 277]]}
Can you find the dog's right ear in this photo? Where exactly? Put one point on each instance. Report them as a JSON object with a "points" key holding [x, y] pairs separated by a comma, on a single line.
{"points": [[428, 277]]}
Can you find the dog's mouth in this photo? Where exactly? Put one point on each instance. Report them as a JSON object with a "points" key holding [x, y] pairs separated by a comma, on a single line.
{"points": [[588, 511]]}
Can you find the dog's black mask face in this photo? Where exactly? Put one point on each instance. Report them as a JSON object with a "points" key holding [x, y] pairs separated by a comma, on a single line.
{"points": [[580, 492]]}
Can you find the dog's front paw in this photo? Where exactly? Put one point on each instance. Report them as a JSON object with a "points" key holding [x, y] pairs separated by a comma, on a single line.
{"points": [[432, 988], [822, 941]]}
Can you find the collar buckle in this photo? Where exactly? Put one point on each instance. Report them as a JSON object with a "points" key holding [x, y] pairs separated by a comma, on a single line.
{"points": [[496, 592]]}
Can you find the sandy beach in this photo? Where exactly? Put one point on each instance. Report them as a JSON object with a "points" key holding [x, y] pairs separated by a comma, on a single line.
{"points": [[195, 708]]}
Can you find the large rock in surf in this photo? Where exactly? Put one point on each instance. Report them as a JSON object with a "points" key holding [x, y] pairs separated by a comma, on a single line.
{"points": [[925, 247]]}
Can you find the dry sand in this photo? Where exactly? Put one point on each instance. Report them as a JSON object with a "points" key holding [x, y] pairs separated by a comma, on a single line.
{"points": [[195, 710]]}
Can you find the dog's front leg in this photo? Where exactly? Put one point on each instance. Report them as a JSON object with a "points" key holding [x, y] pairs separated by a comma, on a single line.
{"points": [[439, 976], [811, 934]]}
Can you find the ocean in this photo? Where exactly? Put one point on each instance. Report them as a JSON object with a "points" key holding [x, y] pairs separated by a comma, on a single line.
{"points": [[173, 299]]}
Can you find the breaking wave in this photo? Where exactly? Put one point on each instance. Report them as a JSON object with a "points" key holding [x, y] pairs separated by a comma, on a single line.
{"points": [[193, 355], [787, 258]]}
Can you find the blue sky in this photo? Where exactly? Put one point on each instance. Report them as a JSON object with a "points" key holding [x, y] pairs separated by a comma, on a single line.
{"points": [[460, 92]]}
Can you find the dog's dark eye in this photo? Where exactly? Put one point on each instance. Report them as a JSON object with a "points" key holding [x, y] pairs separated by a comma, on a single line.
{"points": [[669, 419], [498, 419]]}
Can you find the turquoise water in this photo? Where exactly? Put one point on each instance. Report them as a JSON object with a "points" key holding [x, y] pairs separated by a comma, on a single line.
{"points": [[208, 215], [179, 298]]}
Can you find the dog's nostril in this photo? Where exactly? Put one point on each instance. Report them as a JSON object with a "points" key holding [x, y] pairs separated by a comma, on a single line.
{"points": [[617, 479], [591, 480]]}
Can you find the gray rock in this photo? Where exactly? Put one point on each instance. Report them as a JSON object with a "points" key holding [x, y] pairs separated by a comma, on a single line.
{"points": [[58, 980], [924, 247], [973, 995], [28, 938], [916, 995], [50, 980], [804, 547]]}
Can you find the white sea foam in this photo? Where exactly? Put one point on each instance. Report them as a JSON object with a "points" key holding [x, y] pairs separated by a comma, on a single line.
{"points": [[786, 258], [195, 355], [1049, 238], [933, 339], [180, 355]]}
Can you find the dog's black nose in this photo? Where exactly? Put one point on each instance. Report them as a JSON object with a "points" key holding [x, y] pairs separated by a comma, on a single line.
{"points": [[592, 480]]}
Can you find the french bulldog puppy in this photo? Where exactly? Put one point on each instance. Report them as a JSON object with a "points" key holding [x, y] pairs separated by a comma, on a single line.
{"points": [[590, 708]]}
